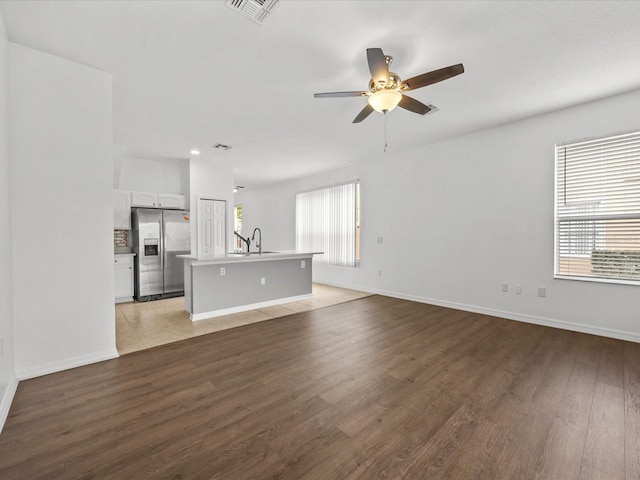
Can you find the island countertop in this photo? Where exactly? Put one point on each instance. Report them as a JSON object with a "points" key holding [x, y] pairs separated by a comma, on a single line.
{"points": [[246, 257]]}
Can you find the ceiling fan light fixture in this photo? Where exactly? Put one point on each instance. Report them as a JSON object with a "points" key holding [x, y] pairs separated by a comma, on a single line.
{"points": [[385, 100]]}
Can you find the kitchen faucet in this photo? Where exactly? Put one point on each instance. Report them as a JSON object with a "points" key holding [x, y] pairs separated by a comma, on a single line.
{"points": [[245, 240], [259, 243]]}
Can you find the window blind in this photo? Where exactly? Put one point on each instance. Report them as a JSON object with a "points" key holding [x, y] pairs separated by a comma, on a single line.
{"points": [[598, 209], [326, 222]]}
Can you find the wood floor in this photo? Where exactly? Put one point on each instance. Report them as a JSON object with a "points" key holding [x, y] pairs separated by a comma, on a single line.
{"points": [[373, 388]]}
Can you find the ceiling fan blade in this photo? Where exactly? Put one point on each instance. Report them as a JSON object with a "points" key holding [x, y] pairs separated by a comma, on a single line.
{"points": [[364, 113], [340, 94], [378, 65], [413, 105], [433, 77]]}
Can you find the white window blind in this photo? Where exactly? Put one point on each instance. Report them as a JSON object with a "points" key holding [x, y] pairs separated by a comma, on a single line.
{"points": [[598, 209], [326, 222]]}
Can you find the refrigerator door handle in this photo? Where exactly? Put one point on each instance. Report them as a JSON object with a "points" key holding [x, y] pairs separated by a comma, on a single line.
{"points": [[163, 257]]}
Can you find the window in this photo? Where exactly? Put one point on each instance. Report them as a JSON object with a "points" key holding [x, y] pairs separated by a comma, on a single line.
{"points": [[598, 209], [237, 227], [327, 220]]}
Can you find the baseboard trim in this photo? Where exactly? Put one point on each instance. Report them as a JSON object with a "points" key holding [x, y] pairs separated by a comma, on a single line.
{"points": [[7, 400], [544, 321], [244, 308], [53, 367]]}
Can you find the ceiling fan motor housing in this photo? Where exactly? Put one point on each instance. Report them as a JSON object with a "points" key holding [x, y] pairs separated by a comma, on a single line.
{"points": [[395, 82]]}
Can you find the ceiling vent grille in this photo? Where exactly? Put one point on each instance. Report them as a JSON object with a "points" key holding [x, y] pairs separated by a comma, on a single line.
{"points": [[220, 146], [255, 10]]}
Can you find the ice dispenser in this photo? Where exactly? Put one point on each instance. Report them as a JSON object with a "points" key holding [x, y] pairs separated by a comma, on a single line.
{"points": [[150, 247]]}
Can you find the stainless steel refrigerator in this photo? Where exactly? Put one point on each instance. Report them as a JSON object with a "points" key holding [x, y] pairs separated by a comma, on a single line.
{"points": [[158, 236]]}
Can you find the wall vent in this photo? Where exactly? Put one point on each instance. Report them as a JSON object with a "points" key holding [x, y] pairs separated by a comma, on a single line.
{"points": [[220, 146], [255, 10]]}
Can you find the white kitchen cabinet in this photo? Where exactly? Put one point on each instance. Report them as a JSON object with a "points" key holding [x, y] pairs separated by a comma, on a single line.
{"points": [[121, 210], [144, 199], [123, 277], [157, 200], [166, 200]]}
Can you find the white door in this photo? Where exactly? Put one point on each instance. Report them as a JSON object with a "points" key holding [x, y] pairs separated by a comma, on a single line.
{"points": [[211, 227]]}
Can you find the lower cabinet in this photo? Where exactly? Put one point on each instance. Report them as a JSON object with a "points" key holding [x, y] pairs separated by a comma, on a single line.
{"points": [[123, 277]]}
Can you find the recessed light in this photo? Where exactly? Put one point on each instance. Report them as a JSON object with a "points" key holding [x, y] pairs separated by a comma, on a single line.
{"points": [[195, 152]]}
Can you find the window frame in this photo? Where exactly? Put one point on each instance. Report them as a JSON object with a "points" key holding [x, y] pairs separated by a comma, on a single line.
{"points": [[595, 218]]}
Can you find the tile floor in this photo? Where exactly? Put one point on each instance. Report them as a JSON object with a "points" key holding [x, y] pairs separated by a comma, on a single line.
{"points": [[142, 325]]}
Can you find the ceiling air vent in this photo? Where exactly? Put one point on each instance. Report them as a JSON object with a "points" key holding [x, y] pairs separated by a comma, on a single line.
{"points": [[221, 146], [255, 10]]}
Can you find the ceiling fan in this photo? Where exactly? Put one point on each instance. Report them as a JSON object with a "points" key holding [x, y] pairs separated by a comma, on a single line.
{"points": [[386, 89]]}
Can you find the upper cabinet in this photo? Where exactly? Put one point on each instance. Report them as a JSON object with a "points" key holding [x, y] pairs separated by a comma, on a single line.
{"points": [[157, 200], [121, 210], [144, 199], [166, 200]]}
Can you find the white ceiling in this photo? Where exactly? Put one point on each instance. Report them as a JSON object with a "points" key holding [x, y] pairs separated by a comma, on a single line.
{"points": [[190, 74]]}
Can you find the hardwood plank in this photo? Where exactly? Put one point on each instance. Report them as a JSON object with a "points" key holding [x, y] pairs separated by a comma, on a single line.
{"points": [[562, 453], [604, 447]]}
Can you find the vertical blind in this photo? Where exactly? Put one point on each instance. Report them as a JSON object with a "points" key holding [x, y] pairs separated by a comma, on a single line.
{"points": [[326, 222], [598, 209]]}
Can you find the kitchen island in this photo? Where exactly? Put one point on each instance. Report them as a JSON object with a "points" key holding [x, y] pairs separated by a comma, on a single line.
{"points": [[237, 282]]}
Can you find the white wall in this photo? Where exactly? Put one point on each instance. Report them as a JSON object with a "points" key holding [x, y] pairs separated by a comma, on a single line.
{"points": [[460, 217], [153, 175], [210, 178], [62, 169], [8, 382], [273, 210]]}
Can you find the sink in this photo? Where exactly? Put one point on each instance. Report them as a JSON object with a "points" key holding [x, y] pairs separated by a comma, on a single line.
{"points": [[251, 253]]}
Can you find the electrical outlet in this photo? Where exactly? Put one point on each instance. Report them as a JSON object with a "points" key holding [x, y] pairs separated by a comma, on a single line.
{"points": [[542, 292], [517, 289], [380, 240], [263, 281], [505, 287], [223, 272], [302, 264], [379, 273]]}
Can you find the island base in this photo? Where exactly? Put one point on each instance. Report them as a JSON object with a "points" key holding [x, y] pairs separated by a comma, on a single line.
{"points": [[225, 286]]}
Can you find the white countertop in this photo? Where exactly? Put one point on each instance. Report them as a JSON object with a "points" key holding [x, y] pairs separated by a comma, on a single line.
{"points": [[244, 257]]}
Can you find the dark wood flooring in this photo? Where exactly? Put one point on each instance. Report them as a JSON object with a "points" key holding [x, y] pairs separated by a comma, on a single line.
{"points": [[373, 388]]}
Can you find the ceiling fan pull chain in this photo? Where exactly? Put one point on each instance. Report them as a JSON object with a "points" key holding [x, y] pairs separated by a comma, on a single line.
{"points": [[385, 130]]}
